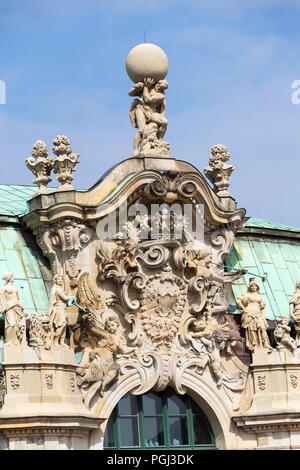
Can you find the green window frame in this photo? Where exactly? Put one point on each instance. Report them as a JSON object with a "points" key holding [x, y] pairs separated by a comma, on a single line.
{"points": [[176, 421]]}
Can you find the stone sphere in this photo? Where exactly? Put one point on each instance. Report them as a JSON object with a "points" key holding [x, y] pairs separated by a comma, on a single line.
{"points": [[146, 61]]}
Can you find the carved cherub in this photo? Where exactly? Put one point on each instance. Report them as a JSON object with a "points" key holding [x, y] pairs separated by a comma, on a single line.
{"points": [[282, 334], [99, 368], [57, 311], [10, 305]]}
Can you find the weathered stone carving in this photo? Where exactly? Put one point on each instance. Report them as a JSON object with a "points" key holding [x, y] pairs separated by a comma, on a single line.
{"points": [[282, 335], [208, 337], [40, 330], [14, 381], [49, 381], [10, 305], [61, 242], [57, 312], [294, 380], [40, 166], [209, 281], [147, 114], [295, 311], [2, 386], [252, 307], [171, 185], [261, 382], [64, 164], [218, 171], [98, 368]]}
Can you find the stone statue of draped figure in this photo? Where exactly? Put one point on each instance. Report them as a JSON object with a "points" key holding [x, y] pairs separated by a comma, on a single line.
{"points": [[15, 317]]}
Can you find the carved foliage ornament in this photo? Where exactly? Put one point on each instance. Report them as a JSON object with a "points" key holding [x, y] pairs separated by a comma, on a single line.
{"points": [[154, 300], [61, 242]]}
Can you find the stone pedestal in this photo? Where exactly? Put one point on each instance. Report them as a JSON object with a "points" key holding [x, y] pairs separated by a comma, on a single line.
{"points": [[43, 407], [274, 415]]}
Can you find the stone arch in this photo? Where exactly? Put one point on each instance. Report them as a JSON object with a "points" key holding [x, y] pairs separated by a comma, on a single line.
{"points": [[213, 402]]}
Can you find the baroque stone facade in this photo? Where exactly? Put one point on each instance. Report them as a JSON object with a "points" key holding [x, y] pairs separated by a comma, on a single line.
{"points": [[140, 295]]}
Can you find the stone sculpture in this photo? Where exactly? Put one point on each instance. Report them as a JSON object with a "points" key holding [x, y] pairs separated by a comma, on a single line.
{"points": [[218, 171], [10, 305], [57, 311], [147, 112], [64, 163], [212, 278], [282, 335], [40, 330], [99, 368], [252, 307], [40, 166], [209, 337], [295, 311]]}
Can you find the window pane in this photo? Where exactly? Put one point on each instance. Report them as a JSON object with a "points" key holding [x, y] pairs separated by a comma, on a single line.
{"points": [[153, 432], [152, 404], [109, 434], [129, 433], [202, 435], [127, 405], [176, 404], [178, 431]]}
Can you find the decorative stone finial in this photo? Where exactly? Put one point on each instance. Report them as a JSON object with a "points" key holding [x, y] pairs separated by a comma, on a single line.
{"points": [[218, 172], [64, 164], [40, 165], [147, 65]]}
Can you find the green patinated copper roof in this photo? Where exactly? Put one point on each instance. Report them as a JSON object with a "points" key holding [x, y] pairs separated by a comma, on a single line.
{"points": [[260, 223], [18, 256], [279, 258]]}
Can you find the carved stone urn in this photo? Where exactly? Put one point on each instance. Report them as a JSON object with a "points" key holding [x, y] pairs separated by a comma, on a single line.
{"points": [[40, 166], [65, 163]]}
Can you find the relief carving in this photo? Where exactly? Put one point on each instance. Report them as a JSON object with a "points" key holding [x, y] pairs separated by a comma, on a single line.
{"points": [[261, 382], [14, 381], [49, 381], [61, 242], [40, 330]]}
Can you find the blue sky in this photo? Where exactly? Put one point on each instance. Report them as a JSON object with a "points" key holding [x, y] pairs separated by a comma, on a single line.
{"points": [[231, 66]]}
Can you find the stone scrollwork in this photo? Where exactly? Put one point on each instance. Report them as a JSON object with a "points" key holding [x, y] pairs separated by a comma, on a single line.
{"points": [[171, 185], [61, 242], [157, 318]]}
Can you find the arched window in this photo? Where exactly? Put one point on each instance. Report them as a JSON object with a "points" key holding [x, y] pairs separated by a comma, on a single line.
{"points": [[161, 420]]}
